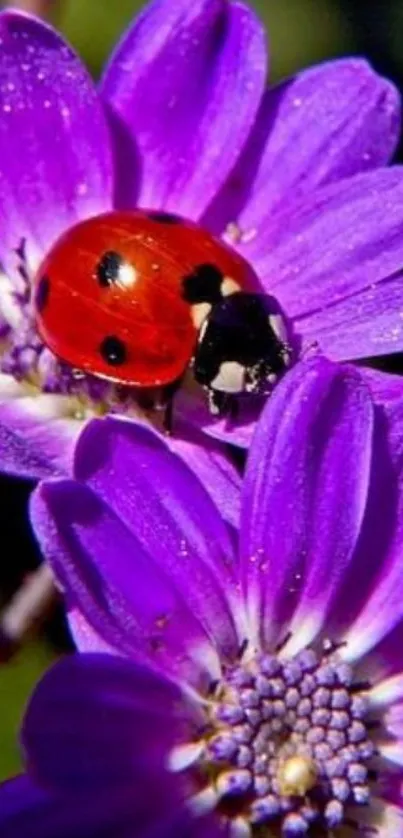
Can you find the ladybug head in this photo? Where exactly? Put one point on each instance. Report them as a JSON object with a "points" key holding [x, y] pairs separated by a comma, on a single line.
{"points": [[242, 345]]}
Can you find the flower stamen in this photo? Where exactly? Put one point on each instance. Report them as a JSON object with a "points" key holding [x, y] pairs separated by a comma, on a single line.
{"points": [[296, 776], [287, 744]]}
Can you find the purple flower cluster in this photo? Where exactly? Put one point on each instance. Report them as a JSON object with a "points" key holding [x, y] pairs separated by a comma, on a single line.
{"points": [[229, 679], [294, 177]]}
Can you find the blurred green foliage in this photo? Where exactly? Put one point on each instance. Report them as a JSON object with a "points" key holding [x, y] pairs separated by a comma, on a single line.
{"points": [[17, 680], [301, 31]]}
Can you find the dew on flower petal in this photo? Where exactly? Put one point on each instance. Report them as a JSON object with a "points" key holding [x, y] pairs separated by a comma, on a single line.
{"points": [[249, 235], [233, 232], [183, 549], [82, 189]]}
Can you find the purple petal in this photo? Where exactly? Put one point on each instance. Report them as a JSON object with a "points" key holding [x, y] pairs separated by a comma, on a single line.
{"points": [[387, 389], [382, 609], [57, 168], [327, 123], [97, 722], [393, 721], [213, 467], [334, 261], [184, 87], [27, 811], [108, 575], [312, 448], [392, 752], [86, 639], [392, 790], [373, 580], [192, 406], [364, 324], [388, 692], [36, 438], [382, 528], [132, 469]]}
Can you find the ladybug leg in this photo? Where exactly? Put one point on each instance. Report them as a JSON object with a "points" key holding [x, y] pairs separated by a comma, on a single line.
{"points": [[168, 397], [160, 400], [167, 422]]}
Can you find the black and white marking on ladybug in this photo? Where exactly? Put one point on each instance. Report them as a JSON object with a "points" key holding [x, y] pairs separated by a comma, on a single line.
{"points": [[242, 348], [205, 288]]}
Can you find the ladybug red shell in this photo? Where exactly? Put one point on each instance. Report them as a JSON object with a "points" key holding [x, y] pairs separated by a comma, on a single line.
{"points": [[122, 295]]}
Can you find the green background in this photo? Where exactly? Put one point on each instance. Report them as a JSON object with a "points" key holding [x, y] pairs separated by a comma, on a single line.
{"points": [[301, 31]]}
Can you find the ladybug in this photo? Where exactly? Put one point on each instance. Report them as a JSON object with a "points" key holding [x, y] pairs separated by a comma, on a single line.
{"points": [[138, 297]]}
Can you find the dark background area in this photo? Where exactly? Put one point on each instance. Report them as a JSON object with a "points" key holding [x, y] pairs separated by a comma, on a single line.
{"points": [[301, 32]]}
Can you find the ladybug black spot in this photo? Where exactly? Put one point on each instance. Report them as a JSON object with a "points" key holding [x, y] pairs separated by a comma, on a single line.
{"points": [[107, 269], [113, 351], [42, 293], [164, 217], [203, 285]]}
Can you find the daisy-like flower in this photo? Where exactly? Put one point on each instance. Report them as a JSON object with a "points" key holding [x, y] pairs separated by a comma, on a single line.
{"points": [[293, 177], [257, 689]]}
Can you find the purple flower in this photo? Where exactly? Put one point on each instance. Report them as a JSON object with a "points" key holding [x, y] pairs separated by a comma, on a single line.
{"points": [[254, 685], [292, 176]]}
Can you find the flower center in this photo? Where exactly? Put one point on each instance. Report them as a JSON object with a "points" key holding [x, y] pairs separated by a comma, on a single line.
{"points": [[287, 745]]}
